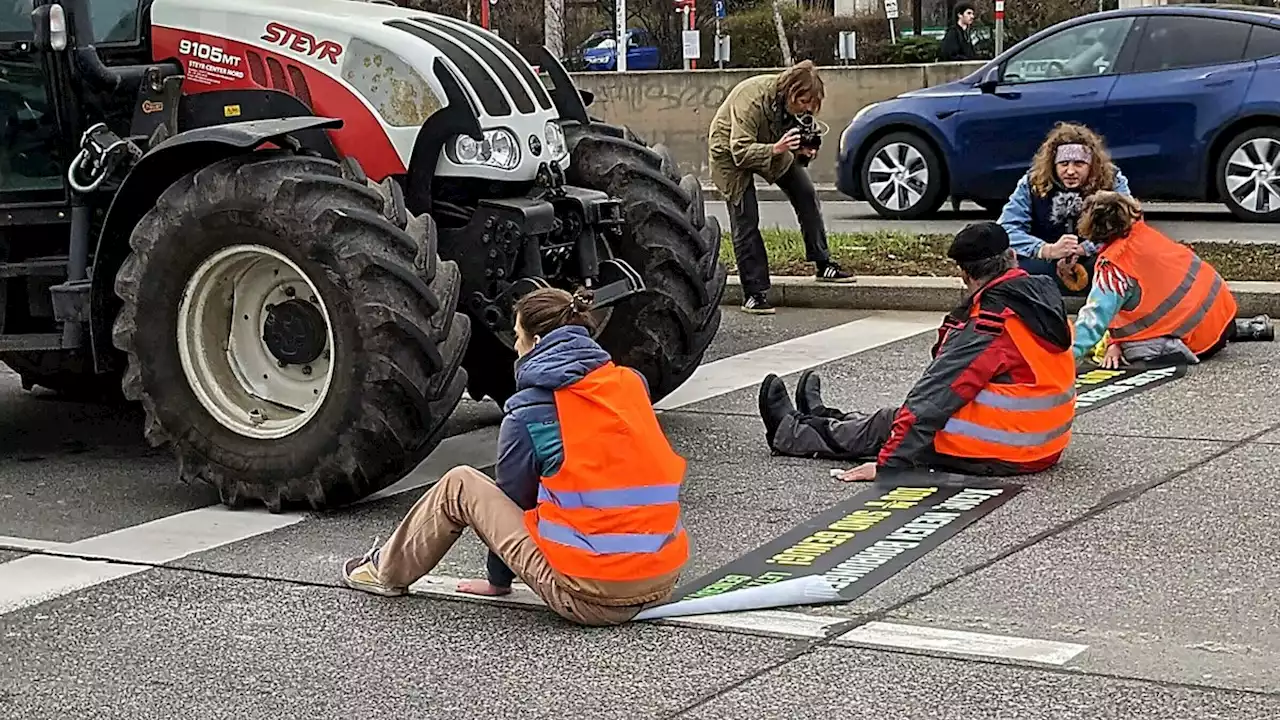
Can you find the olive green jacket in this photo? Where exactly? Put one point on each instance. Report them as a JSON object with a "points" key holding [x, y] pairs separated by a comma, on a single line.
{"points": [[742, 135]]}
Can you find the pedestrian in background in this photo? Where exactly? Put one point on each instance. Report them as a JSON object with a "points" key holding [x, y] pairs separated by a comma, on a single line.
{"points": [[756, 132], [957, 42]]}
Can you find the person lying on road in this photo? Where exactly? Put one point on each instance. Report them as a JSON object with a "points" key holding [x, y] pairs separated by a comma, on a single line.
{"points": [[998, 398], [1042, 213], [1153, 297], [588, 512]]}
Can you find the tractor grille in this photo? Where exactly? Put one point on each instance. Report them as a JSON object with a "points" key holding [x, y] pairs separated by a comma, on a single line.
{"points": [[463, 32], [287, 77], [483, 76]]}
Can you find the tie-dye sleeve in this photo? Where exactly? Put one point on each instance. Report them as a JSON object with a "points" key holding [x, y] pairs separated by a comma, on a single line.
{"points": [[1112, 290]]}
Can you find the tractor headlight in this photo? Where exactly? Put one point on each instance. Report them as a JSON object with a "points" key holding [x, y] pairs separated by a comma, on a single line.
{"points": [[556, 145], [499, 149]]}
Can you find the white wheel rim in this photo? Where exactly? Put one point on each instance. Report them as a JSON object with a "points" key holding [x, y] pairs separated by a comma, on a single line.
{"points": [[229, 366], [1253, 175], [898, 176]]}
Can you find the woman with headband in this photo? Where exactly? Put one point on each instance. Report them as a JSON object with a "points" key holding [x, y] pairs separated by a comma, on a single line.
{"points": [[1044, 209], [586, 508]]}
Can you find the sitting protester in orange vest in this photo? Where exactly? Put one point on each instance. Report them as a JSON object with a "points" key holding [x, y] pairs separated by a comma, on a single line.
{"points": [[1156, 297], [586, 509], [998, 398]]}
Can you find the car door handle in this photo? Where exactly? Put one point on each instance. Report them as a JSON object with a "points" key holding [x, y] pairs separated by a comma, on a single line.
{"points": [[1219, 83], [1091, 93]]}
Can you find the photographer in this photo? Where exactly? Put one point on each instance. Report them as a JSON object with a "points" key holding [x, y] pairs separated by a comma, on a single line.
{"points": [[765, 127]]}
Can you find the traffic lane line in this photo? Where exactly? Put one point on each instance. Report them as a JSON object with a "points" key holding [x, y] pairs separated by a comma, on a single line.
{"points": [[960, 642], [789, 624], [36, 579], [9, 542]]}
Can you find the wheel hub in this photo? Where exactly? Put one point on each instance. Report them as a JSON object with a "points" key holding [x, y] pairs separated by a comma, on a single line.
{"points": [[255, 342], [1253, 175], [898, 176], [294, 332]]}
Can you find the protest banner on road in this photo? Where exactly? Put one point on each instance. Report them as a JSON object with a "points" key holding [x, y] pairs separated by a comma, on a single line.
{"points": [[846, 550], [1098, 387]]}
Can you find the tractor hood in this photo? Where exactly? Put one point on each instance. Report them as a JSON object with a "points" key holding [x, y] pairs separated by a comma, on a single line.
{"points": [[369, 64]]}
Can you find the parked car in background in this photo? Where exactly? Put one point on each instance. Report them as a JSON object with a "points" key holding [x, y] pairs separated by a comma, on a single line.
{"points": [[1187, 98], [600, 52]]}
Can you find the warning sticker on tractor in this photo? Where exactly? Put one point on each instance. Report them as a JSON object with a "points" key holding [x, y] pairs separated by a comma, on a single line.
{"points": [[848, 549], [1098, 387]]}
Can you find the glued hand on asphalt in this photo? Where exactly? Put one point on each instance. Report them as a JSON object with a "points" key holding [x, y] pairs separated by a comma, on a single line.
{"points": [[1114, 358], [863, 473]]}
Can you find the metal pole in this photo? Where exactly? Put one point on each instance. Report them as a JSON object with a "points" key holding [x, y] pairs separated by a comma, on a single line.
{"points": [[999, 26], [620, 36], [685, 11]]}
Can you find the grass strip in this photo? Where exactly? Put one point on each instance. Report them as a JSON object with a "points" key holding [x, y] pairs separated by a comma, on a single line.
{"points": [[903, 253]]}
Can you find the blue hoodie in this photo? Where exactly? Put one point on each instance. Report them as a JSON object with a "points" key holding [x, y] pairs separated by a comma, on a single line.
{"points": [[529, 441]]}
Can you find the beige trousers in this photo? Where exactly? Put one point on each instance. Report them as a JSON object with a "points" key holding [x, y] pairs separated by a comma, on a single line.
{"points": [[466, 497]]}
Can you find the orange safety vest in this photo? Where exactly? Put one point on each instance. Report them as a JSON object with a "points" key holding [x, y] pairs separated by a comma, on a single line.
{"points": [[1182, 295], [1022, 422], [612, 510]]}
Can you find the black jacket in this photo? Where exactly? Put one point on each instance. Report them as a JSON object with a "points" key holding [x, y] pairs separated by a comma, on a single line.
{"points": [[973, 351], [957, 45]]}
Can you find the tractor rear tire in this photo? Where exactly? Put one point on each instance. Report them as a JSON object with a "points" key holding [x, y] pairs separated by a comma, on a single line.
{"points": [[669, 239], [387, 343]]}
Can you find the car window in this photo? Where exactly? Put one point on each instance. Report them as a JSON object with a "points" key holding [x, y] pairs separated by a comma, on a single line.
{"points": [[1170, 42], [15, 20], [1264, 42], [1084, 50]]}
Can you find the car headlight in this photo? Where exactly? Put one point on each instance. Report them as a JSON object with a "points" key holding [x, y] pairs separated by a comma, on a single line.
{"points": [[556, 145], [499, 149]]}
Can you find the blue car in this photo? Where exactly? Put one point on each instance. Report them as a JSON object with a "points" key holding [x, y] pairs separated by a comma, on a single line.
{"points": [[601, 52], [1187, 98]]}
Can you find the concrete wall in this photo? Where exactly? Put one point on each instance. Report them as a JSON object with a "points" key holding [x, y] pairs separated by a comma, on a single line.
{"points": [[676, 107]]}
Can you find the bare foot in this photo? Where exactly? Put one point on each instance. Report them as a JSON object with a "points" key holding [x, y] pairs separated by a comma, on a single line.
{"points": [[482, 587]]}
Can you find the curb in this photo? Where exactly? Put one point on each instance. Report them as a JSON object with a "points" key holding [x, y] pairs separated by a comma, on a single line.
{"points": [[939, 294]]}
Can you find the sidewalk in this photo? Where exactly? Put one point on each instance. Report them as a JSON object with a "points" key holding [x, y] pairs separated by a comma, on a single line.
{"points": [[939, 294]]}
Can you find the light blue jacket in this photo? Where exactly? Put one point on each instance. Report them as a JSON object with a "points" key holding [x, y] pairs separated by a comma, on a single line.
{"points": [[1016, 218]]}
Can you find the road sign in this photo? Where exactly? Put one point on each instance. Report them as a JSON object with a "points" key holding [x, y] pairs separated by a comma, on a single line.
{"points": [[891, 9], [720, 9], [692, 44]]}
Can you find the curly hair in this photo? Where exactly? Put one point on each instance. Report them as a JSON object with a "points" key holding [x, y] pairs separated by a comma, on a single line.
{"points": [[1108, 216], [1102, 175]]}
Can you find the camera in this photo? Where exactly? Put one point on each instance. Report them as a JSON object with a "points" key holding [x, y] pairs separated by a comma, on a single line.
{"points": [[811, 134]]}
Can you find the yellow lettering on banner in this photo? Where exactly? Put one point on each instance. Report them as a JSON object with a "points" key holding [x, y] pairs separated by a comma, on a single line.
{"points": [[859, 520], [768, 579], [726, 583], [1093, 377], [804, 552], [903, 498]]}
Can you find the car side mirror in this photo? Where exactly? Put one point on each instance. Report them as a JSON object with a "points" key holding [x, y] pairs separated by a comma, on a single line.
{"points": [[49, 27], [990, 80]]}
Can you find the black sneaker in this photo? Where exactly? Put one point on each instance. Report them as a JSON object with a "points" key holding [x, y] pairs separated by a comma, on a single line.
{"points": [[774, 405], [757, 305], [831, 273]]}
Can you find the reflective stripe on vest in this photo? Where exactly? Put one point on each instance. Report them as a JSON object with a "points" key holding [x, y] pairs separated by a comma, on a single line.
{"points": [[1182, 296], [611, 511], [1017, 423], [607, 543]]}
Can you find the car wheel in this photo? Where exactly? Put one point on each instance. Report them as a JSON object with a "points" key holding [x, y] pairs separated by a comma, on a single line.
{"points": [[1249, 175], [903, 177]]}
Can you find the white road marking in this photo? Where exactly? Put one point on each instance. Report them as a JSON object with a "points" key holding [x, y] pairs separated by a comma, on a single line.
{"points": [[792, 356], [35, 579], [772, 623], [959, 642], [11, 542]]}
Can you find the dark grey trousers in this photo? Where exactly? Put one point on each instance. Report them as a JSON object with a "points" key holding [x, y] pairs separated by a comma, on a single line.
{"points": [[834, 435], [748, 244]]}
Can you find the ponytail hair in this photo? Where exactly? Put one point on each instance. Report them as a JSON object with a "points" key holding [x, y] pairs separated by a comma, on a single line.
{"points": [[546, 309]]}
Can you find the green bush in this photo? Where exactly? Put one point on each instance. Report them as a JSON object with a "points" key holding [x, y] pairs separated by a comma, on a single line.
{"points": [[812, 36]]}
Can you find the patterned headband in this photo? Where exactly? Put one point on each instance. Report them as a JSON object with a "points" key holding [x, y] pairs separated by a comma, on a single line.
{"points": [[1072, 152]]}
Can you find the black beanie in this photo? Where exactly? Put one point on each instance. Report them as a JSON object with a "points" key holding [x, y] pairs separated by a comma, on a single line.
{"points": [[978, 241]]}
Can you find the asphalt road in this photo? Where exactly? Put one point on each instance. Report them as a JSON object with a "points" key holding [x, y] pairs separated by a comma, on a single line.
{"points": [[1150, 550], [1186, 222]]}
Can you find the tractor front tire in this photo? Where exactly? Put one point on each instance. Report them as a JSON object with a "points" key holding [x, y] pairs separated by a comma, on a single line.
{"points": [[289, 332], [670, 240]]}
